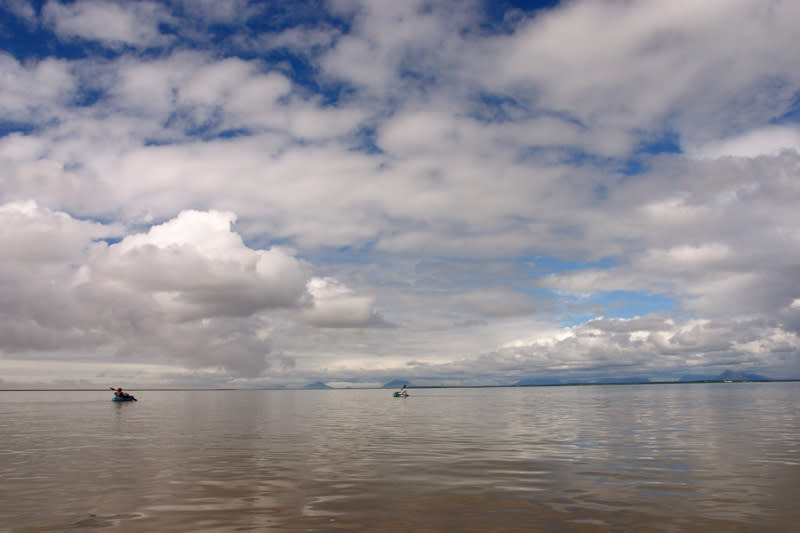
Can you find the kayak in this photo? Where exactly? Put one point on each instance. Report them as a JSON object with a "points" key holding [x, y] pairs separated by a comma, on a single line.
{"points": [[123, 399], [398, 395]]}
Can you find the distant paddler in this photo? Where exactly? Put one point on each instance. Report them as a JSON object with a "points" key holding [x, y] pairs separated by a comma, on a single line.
{"points": [[122, 396]]}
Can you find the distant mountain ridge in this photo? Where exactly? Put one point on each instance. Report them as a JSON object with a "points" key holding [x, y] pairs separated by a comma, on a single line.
{"points": [[396, 384], [317, 385], [532, 382], [727, 375], [730, 375]]}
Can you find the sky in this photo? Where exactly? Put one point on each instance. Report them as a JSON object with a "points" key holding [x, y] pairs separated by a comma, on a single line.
{"points": [[241, 193]]}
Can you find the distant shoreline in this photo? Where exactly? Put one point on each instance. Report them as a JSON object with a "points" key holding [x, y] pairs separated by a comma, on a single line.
{"points": [[603, 384]]}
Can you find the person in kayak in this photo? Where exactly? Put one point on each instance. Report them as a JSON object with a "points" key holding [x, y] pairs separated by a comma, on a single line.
{"points": [[120, 394], [403, 391]]}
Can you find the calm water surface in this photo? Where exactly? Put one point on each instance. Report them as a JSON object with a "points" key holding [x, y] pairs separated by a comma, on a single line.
{"points": [[713, 457]]}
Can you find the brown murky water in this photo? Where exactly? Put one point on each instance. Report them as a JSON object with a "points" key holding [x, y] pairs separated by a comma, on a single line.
{"points": [[713, 457]]}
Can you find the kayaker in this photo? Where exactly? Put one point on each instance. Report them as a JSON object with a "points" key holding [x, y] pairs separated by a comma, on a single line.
{"points": [[403, 391], [119, 394]]}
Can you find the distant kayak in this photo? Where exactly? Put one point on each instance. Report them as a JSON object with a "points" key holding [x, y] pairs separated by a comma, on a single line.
{"points": [[123, 399], [398, 395]]}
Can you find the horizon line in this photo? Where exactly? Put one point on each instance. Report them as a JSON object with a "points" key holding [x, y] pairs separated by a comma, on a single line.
{"points": [[572, 384]]}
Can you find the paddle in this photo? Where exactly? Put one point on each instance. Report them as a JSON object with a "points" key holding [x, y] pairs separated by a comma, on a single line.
{"points": [[131, 396]]}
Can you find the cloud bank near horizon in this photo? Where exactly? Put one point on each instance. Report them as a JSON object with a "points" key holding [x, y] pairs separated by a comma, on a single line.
{"points": [[257, 194]]}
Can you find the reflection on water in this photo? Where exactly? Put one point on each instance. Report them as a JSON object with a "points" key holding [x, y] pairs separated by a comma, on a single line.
{"points": [[659, 457]]}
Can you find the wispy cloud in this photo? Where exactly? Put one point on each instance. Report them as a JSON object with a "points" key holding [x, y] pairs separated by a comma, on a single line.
{"points": [[113, 24]]}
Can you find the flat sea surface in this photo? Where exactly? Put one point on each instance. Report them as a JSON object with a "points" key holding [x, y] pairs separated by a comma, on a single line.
{"points": [[682, 457]]}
